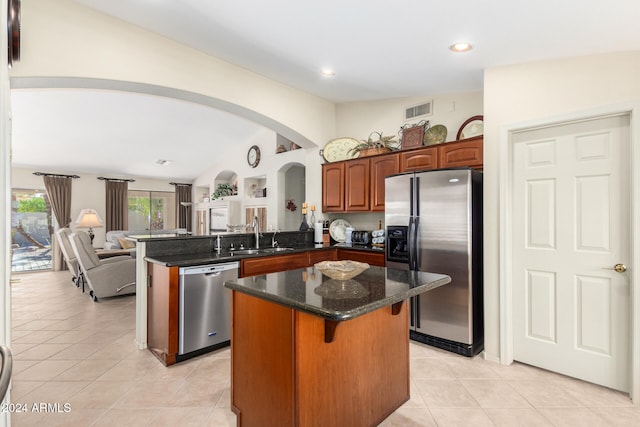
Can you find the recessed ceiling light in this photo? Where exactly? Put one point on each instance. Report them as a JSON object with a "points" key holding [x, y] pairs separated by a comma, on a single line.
{"points": [[327, 72], [163, 162], [461, 47]]}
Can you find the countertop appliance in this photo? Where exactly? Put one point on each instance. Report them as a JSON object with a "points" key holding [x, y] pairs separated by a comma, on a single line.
{"points": [[434, 224], [222, 214], [205, 308]]}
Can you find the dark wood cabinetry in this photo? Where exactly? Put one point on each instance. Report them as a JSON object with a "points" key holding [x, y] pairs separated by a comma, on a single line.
{"points": [[333, 187], [163, 285], [358, 185]]}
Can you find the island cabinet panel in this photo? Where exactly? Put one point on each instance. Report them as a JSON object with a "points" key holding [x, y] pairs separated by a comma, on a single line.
{"points": [[283, 373], [359, 378], [273, 264], [356, 182], [463, 153], [333, 187], [324, 255], [163, 285], [371, 258], [381, 167], [261, 362], [419, 159]]}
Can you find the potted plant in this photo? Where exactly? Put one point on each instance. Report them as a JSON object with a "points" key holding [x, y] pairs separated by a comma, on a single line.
{"points": [[223, 190], [375, 144]]}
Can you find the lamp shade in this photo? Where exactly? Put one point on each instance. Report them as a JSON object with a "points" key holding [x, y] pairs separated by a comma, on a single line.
{"points": [[89, 218]]}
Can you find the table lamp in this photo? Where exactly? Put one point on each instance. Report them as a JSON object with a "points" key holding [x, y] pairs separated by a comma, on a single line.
{"points": [[89, 218]]}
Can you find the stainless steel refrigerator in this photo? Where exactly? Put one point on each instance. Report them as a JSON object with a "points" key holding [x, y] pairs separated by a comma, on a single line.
{"points": [[434, 223]]}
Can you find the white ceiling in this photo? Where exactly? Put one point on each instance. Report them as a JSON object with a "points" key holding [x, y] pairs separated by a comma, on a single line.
{"points": [[377, 48]]}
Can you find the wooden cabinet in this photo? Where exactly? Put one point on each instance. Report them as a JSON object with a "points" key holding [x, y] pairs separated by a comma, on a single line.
{"points": [[162, 312], [371, 258], [380, 167], [333, 187], [358, 185], [467, 152], [419, 160]]}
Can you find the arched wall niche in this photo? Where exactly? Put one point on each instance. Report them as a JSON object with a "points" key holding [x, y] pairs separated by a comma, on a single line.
{"points": [[291, 195]]}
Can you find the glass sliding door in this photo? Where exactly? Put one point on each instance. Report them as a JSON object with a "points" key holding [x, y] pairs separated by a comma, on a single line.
{"points": [[31, 228], [151, 210]]}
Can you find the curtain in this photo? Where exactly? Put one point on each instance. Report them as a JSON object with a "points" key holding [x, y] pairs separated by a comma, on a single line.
{"points": [[183, 213], [117, 205], [58, 191]]}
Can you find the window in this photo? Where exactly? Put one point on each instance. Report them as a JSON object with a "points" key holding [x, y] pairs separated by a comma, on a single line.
{"points": [[152, 210], [30, 230]]}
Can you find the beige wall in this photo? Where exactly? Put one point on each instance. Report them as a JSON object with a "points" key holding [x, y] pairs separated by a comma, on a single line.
{"points": [[536, 92], [62, 40]]}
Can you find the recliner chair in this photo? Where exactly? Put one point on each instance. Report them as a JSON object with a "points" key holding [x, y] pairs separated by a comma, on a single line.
{"points": [[105, 278], [63, 236]]}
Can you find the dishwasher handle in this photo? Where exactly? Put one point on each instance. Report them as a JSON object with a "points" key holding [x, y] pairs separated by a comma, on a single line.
{"points": [[209, 270]]}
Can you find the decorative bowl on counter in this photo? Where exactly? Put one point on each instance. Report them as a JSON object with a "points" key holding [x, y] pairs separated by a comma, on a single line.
{"points": [[341, 270]]}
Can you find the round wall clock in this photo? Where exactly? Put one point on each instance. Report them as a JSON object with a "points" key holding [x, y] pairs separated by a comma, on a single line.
{"points": [[13, 30], [253, 156]]}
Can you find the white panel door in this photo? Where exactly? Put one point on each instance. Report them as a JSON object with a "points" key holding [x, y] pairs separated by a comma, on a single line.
{"points": [[570, 227]]}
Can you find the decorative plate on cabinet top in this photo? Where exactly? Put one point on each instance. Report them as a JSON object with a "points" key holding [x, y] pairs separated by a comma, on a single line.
{"points": [[338, 230], [435, 135], [339, 149]]}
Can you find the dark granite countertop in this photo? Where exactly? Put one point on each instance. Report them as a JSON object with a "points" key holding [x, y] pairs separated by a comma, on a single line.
{"points": [[309, 291], [203, 258]]}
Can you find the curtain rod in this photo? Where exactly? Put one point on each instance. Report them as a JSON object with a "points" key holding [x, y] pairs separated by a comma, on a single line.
{"points": [[102, 178], [177, 183], [55, 174]]}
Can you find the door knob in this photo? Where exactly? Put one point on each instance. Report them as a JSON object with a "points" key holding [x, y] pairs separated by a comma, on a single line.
{"points": [[618, 268]]}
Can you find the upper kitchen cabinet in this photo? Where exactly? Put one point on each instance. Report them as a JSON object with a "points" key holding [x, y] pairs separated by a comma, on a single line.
{"points": [[333, 187], [380, 168], [358, 185]]}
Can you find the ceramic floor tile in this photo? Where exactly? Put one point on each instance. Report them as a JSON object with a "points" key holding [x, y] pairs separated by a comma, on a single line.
{"points": [[444, 394], [571, 417], [523, 417], [43, 351], [542, 394], [495, 394], [458, 417], [134, 388]]}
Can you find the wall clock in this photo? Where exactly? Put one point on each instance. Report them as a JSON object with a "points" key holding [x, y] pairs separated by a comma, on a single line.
{"points": [[13, 31], [253, 156]]}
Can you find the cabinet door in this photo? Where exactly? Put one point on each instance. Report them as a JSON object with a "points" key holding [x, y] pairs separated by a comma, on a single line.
{"points": [[419, 160], [356, 177], [333, 187], [381, 167], [272, 264], [464, 153], [371, 258], [162, 312]]}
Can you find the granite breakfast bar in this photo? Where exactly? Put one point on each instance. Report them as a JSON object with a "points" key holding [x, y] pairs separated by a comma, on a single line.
{"points": [[307, 350]]}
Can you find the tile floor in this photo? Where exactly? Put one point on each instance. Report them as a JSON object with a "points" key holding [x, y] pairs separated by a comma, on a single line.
{"points": [[70, 351]]}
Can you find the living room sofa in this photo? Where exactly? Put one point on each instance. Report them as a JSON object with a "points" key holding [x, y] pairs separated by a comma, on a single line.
{"points": [[116, 239]]}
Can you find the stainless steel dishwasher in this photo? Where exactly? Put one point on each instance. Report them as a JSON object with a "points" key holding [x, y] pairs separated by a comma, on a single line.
{"points": [[205, 308]]}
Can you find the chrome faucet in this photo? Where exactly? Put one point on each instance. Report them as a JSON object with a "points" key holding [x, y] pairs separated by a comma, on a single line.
{"points": [[274, 242], [256, 229]]}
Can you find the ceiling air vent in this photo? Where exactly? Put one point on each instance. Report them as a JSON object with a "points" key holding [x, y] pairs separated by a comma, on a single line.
{"points": [[414, 111]]}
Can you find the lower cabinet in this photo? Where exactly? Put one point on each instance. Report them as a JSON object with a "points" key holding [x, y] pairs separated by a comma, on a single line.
{"points": [[163, 293]]}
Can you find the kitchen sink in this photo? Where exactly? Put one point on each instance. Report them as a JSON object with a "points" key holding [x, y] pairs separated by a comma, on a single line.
{"points": [[248, 251], [260, 251], [270, 250]]}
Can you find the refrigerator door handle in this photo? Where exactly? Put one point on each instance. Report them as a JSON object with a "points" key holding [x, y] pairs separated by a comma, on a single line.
{"points": [[413, 243]]}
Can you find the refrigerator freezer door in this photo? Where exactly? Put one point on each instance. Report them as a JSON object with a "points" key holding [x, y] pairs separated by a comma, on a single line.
{"points": [[397, 211], [444, 236]]}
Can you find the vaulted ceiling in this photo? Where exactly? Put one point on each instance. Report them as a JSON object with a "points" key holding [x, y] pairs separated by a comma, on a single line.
{"points": [[377, 49]]}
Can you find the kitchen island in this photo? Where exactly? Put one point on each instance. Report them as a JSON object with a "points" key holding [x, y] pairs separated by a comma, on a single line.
{"points": [[307, 350]]}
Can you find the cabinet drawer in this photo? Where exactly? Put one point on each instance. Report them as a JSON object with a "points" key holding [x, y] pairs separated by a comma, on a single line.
{"points": [[370, 258], [272, 264], [318, 256]]}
